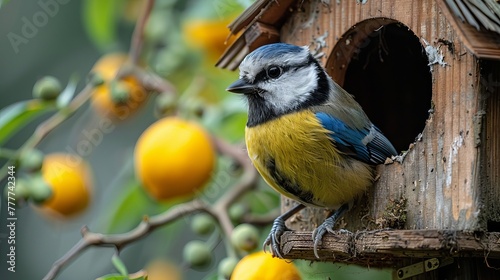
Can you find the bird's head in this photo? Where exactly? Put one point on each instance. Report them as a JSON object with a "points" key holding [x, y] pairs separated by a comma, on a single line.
{"points": [[278, 79]]}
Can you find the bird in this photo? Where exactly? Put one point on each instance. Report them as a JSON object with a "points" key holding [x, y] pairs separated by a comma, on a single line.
{"points": [[306, 136]]}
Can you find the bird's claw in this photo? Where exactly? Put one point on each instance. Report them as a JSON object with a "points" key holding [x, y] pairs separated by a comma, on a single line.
{"points": [[273, 239], [319, 232], [327, 226]]}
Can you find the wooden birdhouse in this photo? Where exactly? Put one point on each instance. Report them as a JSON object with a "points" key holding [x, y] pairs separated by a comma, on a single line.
{"points": [[427, 73]]}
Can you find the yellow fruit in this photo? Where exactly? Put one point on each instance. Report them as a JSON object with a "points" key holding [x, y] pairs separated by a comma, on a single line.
{"points": [[102, 98], [173, 158], [209, 35], [70, 179], [262, 266]]}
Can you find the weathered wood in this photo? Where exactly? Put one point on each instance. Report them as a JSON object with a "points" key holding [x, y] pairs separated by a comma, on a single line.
{"points": [[488, 125], [443, 179], [386, 247], [483, 43], [259, 21], [442, 198]]}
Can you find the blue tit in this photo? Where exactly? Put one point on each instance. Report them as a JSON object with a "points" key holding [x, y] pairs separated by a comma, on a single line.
{"points": [[308, 138]]}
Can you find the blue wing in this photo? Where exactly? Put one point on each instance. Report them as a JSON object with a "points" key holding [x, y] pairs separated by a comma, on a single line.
{"points": [[367, 144]]}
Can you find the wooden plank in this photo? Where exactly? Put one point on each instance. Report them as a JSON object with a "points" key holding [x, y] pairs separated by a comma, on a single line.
{"points": [[386, 247], [260, 22], [255, 36], [270, 12], [260, 34], [483, 43]]}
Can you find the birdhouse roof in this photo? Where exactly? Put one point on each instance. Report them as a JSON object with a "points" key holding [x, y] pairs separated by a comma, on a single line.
{"points": [[477, 22]]}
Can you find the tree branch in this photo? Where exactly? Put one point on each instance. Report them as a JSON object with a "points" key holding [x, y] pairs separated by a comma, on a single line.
{"points": [[151, 81], [137, 36], [43, 129], [51, 123], [149, 224], [119, 241]]}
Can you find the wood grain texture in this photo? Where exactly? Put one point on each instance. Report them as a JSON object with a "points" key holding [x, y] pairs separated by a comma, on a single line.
{"points": [[386, 247], [488, 124], [443, 180], [483, 43]]}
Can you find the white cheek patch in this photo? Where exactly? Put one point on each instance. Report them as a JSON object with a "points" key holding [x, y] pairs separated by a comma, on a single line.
{"points": [[291, 89]]}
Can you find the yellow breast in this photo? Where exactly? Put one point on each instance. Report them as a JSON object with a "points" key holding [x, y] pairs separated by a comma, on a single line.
{"points": [[295, 155]]}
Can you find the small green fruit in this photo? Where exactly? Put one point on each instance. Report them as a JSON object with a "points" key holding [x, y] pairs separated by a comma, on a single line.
{"points": [[47, 88], [226, 267], [197, 254], [19, 191], [245, 237], [203, 224], [31, 160], [95, 79], [22, 189], [165, 104], [119, 92], [237, 211], [39, 190]]}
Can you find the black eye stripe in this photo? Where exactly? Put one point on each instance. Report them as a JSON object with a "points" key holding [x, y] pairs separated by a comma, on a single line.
{"points": [[262, 75]]}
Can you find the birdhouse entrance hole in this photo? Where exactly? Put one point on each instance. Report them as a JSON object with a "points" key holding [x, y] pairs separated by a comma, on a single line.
{"points": [[383, 64]]}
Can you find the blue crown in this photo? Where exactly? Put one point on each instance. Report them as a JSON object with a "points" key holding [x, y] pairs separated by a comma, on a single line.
{"points": [[274, 50]]}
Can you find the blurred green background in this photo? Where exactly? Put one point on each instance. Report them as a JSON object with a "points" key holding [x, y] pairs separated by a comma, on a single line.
{"points": [[66, 42]]}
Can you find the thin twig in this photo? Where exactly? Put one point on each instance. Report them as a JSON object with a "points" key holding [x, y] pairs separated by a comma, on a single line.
{"points": [[219, 210], [137, 36], [63, 114], [151, 81], [120, 240], [51, 123], [136, 46]]}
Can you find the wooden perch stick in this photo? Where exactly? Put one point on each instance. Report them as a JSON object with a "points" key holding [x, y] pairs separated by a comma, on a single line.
{"points": [[384, 247]]}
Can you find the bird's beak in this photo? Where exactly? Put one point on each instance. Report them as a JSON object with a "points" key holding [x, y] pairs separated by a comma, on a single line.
{"points": [[240, 86]]}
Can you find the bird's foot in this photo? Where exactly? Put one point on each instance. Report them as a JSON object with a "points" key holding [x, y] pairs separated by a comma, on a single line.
{"points": [[327, 226], [317, 235], [277, 230], [273, 239]]}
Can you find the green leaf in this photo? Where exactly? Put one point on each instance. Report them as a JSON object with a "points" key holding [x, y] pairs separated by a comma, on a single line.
{"points": [[113, 277], [100, 21], [119, 265], [15, 116]]}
